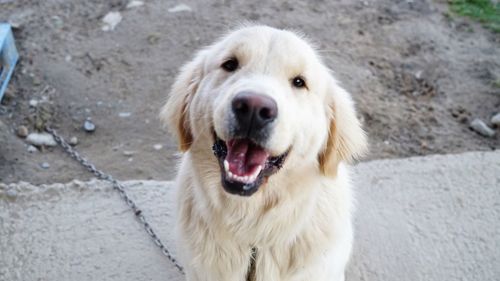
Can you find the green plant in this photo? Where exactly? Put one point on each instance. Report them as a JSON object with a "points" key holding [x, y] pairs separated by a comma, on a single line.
{"points": [[484, 11]]}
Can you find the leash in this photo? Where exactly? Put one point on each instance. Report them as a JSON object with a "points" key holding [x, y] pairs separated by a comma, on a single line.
{"points": [[118, 187]]}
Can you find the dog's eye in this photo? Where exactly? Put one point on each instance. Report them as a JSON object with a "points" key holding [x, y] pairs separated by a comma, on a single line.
{"points": [[298, 82], [230, 65]]}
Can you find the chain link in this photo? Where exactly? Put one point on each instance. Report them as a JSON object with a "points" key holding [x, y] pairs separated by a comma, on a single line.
{"points": [[121, 190]]}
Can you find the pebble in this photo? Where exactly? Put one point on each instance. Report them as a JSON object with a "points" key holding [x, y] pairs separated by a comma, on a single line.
{"points": [[124, 114], [128, 153], [180, 8], [22, 131], [88, 126], [481, 128], [157, 146], [134, 4], [418, 75], [73, 141], [495, 120], [45, 165], [153, 38], [57, 22], [11, 193], [32, 149], [33, 103], [111, 20], [40, 139]]}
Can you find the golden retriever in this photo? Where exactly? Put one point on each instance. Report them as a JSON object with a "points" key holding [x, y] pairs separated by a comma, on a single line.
{"points": [[263, 189]]}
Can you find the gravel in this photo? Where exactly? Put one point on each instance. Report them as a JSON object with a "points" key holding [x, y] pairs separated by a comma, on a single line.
{"points": [[495, 120], [481, 128], [73, 141], [32, 149], [22, 131], [111, 20], [41, 139], [88, 126]]}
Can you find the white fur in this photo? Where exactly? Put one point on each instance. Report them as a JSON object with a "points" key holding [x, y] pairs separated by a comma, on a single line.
{"points": [[300, 220]]}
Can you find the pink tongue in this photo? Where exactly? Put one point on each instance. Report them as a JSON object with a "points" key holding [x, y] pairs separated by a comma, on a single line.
{"points": [[244, 157]]}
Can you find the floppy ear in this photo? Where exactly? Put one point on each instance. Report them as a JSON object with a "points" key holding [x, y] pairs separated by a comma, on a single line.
{"points": [[346, 139], [175, 112]]}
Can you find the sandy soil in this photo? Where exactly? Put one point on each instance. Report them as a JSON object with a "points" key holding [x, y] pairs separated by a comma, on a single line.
{"points": [[418, 76]]}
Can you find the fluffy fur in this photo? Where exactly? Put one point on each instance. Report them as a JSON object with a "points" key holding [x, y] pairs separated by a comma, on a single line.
{"points": [[300, 219]]}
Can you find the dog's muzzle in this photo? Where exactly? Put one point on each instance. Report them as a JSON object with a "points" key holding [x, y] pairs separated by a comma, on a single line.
{"points": [[243, 159]]}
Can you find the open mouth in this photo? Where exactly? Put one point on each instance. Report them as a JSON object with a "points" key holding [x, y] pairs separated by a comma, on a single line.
{"points": [[245, 165]]}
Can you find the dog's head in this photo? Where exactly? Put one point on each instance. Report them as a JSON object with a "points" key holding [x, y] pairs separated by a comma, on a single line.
{"points": [[263, 100]]}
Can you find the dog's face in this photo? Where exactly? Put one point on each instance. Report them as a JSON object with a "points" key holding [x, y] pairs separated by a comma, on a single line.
{"points": [[262, 99]]}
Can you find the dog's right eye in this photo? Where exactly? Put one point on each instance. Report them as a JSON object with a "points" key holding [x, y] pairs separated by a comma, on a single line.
{"points": [[230, 65]]}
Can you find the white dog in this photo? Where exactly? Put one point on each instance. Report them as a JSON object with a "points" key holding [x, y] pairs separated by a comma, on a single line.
{"points": [[263, 191]]}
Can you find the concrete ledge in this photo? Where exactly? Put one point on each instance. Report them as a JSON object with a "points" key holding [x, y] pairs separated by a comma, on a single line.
{"points": [[425, 218]]}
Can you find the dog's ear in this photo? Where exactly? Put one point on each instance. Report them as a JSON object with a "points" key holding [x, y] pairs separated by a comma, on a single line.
{"points": [[175, 113], [346, 139]]}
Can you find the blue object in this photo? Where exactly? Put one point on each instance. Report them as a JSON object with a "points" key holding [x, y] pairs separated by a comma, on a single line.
{"points": [[8, 56]]}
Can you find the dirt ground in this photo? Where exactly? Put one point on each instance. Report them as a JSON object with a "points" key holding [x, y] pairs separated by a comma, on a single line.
{"points": [[418, 75]]}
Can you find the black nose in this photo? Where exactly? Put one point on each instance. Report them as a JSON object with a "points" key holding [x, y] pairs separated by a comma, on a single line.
{"points": [[253, 111]]}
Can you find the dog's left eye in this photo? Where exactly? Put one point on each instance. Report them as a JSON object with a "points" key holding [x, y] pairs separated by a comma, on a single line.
{"points": [[298, 82], [230, 65]]}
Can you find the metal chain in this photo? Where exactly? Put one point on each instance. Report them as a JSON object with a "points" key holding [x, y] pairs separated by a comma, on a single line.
{"points": [[120, 188]]}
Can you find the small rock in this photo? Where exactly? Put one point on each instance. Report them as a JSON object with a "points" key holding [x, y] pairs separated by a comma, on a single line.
{"points": [[418, 75], [481, 128], [495, 120], [124, 114], [157, 146], [11, 193], [134, 4], [22, 131], [88, 126], [180, 8], [9, 95], [33, 103], [111, 20], [73, 141], [45, 165], [130, 159], [57, 22], [32, 149], [41, 139], [68, 58], [128, 153], [153, 38]]}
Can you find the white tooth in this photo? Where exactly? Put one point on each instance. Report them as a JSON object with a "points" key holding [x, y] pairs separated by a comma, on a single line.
{"points": [[245, 179], [257, 171], [229, 174], [252, 178], [226, 165]]}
